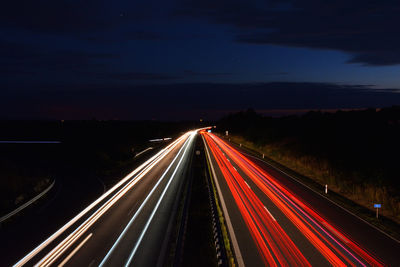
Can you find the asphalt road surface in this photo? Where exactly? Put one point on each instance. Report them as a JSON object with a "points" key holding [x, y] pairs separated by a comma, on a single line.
{"points": [[129, 224], [273, 220]]}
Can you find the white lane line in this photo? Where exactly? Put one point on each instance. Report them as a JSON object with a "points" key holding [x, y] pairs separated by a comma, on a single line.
{"points": [[50, 239], [315, 191], [247, 185], [336, 232], [270, 214], [132, 209], [228, 159], [234, 168], [75, 250], [61, 247], [140, 207], [232, 235], [191, 138]]}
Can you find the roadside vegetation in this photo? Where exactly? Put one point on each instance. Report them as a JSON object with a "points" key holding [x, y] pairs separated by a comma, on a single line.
{"points": [[104, 149], [355, 152], [22, 175]]}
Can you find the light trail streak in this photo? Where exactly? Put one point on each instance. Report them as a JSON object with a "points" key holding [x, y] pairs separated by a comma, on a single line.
{"points": [[274, 245], [303, 217], [273, 218], [142, 169], [75, 250], [138, 242], [67, 242], [143, 204], [312, 223]]}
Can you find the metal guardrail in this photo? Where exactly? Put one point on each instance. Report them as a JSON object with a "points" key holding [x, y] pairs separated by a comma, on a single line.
{"points": [[23, 206]]}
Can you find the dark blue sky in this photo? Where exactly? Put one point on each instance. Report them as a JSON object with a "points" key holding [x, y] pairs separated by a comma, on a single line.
{"points": [[185, 59]]}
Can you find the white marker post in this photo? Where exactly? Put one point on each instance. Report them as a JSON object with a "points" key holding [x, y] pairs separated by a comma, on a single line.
{"points": [[377, 206], [326, 189], [263, 155]]}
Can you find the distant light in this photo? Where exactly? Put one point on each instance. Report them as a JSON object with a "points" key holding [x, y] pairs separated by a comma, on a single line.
{"points": [[156, 140], [201, 119], [209, 131], [160, 139]]}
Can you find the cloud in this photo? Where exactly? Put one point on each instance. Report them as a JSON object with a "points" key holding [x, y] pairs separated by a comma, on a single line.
{"points": [[367, 30], [185, 101]]}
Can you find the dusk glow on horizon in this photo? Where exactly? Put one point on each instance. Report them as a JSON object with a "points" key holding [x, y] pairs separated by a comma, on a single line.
{"points": [[173, 60]]}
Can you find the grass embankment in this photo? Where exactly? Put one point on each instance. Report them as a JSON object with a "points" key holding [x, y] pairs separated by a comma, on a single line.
{"points": [[102, 149], [354, 152], [227, 243], [320, 171], [25, 171]]}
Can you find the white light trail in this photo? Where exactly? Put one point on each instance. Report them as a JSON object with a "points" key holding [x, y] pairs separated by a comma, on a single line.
{"points": [[140, 208], [158, 203], [45, 243]]}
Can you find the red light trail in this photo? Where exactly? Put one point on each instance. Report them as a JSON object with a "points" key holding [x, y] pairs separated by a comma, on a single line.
{"points": [[273, 243]]}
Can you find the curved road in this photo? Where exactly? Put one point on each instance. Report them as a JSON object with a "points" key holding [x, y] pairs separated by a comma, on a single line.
{"points": [[128, 222]]}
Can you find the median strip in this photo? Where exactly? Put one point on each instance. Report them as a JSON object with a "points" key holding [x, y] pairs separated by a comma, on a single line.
{"points": [[224, 219]]}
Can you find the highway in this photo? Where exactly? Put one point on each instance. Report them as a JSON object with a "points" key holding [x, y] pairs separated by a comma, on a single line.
{"points": [[274, 220], [129, 222]]}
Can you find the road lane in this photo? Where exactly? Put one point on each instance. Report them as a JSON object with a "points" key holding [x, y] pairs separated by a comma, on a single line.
{"points": [[294, 224], [107, 217]]}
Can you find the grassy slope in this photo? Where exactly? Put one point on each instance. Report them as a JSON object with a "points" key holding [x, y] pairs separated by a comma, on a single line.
{"points": [[354, 153]]}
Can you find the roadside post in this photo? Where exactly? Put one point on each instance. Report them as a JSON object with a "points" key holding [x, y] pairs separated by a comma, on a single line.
{"points": [[377, 206], [326, 189]]}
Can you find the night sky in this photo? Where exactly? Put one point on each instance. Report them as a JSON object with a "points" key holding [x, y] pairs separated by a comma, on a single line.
{"points": [[172, 60]]}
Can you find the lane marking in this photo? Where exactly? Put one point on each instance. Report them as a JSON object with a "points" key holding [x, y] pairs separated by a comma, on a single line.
{"points": [[270, 214], [141, 207], [247, 185], [316, 192], [235, 244], [234, 168], [132, 209], [188, 146], [45, 243], [336, 232], [61, 247], [75, 250]]}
